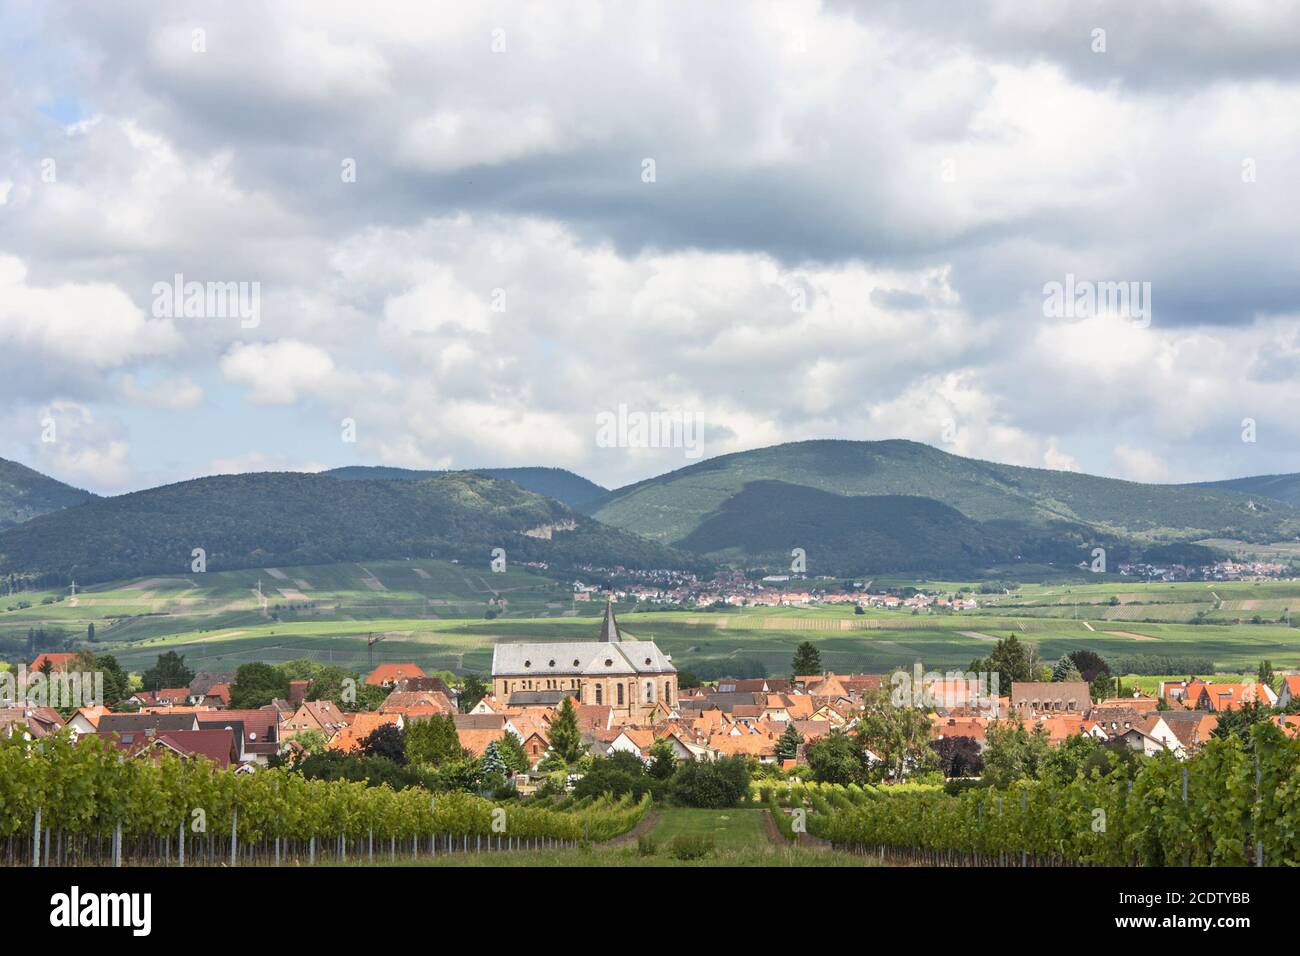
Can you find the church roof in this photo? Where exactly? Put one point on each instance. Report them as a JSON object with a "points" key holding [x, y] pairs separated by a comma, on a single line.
{"points": [[614, 653], [609, 627], [586, 658]]}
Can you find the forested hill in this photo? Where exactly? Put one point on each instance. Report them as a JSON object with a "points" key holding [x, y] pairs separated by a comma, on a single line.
{"points": [[1284, 488], [671, 507], [267, 519], [25, 494], [558, 483]]}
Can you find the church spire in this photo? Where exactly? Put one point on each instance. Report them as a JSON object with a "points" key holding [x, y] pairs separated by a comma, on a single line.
{"points": [[609, 627]]}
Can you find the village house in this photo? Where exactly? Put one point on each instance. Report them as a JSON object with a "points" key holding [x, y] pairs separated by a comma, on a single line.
{"points": [[1050, 697], [388, 676]]}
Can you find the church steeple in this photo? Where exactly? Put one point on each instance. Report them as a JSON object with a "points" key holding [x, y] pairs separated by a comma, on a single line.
{"points": [[609, 627]]}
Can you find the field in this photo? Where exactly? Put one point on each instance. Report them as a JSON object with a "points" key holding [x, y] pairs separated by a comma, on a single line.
{"points": [[437, 614]]}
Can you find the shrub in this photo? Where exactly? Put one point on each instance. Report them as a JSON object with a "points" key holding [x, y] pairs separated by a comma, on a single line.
{"points": [[646, 845], [691, 846], [723, 783]]}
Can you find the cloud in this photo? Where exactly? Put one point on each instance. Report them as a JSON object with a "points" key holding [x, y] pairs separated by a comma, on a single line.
{"points": [[277, 373], [854, 213]]}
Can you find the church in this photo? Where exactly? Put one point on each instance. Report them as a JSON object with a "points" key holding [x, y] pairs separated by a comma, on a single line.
{"points": [[632, 677]]}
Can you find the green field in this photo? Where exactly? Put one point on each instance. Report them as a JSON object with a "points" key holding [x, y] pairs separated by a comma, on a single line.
{"points": [[435, 613]]}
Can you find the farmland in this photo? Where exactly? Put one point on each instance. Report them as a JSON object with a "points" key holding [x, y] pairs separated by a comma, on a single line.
{"points": [[436, 614]]}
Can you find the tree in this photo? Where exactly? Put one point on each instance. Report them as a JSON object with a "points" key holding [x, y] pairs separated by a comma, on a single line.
{"points": [[1013, 753], [472, 690], [836, 758], [1011, 660], [616, 775], [256, 685], [1266, 675], [720, 783], [899, 736], [433, 741], [90, 632], [687, 679], [566, 739], [662, 759], [312, 741], [807, 659], [387, 741], [788, 744], [170, 671], [512, 753], [117, 683], [1238, 723], [958, 756], [494, 765]]}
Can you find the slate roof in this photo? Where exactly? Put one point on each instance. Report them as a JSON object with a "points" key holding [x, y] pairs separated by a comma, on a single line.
{"points": [[137, 723], [616, 654]]}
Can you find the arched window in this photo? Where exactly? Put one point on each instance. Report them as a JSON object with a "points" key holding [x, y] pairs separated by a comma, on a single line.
{"points": [[668, 692], [620, 695], [649, 691], [599, 695]]}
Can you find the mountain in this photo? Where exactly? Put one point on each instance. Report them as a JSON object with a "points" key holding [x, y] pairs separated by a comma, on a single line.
{"points": [[702, 508], [846, 535], [1283, 488], [268, 519], [564, 486], [25, 493]]}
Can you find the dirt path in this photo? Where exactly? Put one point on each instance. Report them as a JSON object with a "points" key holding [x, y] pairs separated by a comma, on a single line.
{"points": [[806, 840], [631, 836]]}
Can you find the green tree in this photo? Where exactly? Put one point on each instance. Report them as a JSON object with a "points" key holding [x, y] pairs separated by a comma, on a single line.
{"points": [[720, 783], [1011, 752], [788, 744], [1011, 660], [1266, 675], [472, 690], [387, 741], [117, 683], [566, 739], [494, 765], [512, 752], [807, 659], [169, 671], [256, 684], [899, 736], [836, 758], [433, 741], [662, 759]]}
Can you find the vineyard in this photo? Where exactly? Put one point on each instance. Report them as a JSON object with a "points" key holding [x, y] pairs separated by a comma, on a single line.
{"points": [[81, 804], [1226, 806]]}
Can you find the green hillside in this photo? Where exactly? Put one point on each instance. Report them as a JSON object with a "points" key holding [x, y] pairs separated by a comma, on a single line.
{"points": [[25, 493], [1284, 488], [846, 535], [564, 486], [254, 520], [671, 507]]}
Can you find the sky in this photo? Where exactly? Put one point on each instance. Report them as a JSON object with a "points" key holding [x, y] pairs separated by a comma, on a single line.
{"points": [[465, 233]]}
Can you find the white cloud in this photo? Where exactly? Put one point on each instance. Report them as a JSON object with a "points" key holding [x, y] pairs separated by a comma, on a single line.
{"points": [[277, 373]]}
